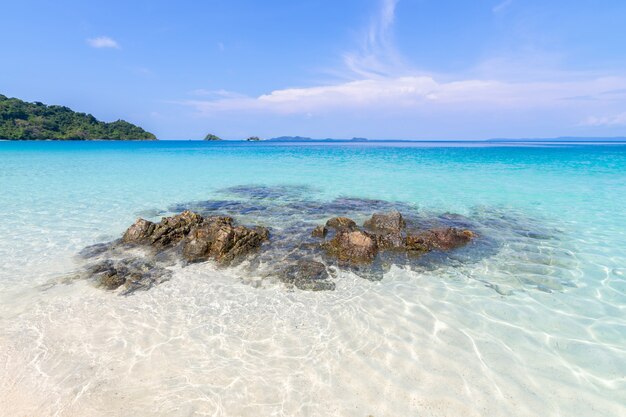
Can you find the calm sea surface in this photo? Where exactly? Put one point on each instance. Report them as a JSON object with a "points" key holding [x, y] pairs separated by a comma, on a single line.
{"points": [[533, 326]]}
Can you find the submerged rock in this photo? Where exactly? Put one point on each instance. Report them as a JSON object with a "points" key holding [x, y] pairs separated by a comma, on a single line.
{"points": [[130, 274], [440, 238], [308, 275]]}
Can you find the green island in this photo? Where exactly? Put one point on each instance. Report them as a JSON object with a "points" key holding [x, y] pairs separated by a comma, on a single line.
{"points": [[212, 137], [20, 120]]}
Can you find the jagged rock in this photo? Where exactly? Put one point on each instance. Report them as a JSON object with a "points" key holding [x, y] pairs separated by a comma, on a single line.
{"points": [[308, 275], [319, 231], [341, 223], [219, 239], [353, 246], [441, 238], [139, 232], [168, 232]]}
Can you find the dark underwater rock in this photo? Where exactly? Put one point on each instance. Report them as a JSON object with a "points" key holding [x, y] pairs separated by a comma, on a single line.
{"points": [[308, 275], [441, 238], [130, 274]]}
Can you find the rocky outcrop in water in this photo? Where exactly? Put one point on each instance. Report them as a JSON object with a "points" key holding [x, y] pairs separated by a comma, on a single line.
{"points": [[201, 238], [298, 253], [387, 231]]}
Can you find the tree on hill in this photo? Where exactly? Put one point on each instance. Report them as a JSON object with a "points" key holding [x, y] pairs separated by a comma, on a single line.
{"points": [[20, 120], [211, 136]]}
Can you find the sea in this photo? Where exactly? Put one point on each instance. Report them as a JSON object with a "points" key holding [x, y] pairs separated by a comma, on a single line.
{"points": [[529, 319]]}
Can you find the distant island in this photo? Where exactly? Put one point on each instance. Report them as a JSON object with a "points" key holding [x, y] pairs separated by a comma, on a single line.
{"points": [[212, 137], [253, 139], [20, 120]]}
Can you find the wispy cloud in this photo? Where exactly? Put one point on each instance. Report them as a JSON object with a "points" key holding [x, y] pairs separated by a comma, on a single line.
{"points": [[612, 120], [500, 7], [216, 94], [103, 42], [377, 55]]}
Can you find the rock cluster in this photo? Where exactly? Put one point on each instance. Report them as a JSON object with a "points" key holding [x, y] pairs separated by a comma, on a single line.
{"points": [[386, 231], [302, 258]]}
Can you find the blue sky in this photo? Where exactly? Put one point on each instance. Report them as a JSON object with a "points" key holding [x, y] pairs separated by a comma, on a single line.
{"points": [[406, 69]]}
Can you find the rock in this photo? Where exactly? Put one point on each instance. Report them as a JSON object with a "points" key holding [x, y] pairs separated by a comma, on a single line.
{"points": [[354, 246], [441, 238], [392, 222], [308, 275], [132, 274], [341, 223], [219, 239], [389, 240], [387, 227], [319, 231], [170, 231], [139, 232]]}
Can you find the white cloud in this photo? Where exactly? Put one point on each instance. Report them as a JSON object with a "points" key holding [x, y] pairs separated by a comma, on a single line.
{"points": [[103, 42], [416, 92], [382, 87], [613, 120]]}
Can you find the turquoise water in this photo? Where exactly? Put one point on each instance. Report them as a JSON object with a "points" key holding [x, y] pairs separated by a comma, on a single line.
{"points": [[536, 325]]}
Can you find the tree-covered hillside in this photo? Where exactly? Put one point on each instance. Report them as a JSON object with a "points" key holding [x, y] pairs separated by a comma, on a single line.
{"points": [[20, 120]]}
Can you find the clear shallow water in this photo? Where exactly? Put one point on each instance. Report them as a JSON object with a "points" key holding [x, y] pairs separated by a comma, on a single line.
{"points": [[440, 340]]}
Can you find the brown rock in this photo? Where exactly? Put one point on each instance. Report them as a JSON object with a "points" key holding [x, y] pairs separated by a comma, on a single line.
{"points": [[319, 231], [440, 238], [341, 223], [386, 222], [353, 246], [217, 238], [389, 240], [172, 230], [168, 232], [139, 232]]}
